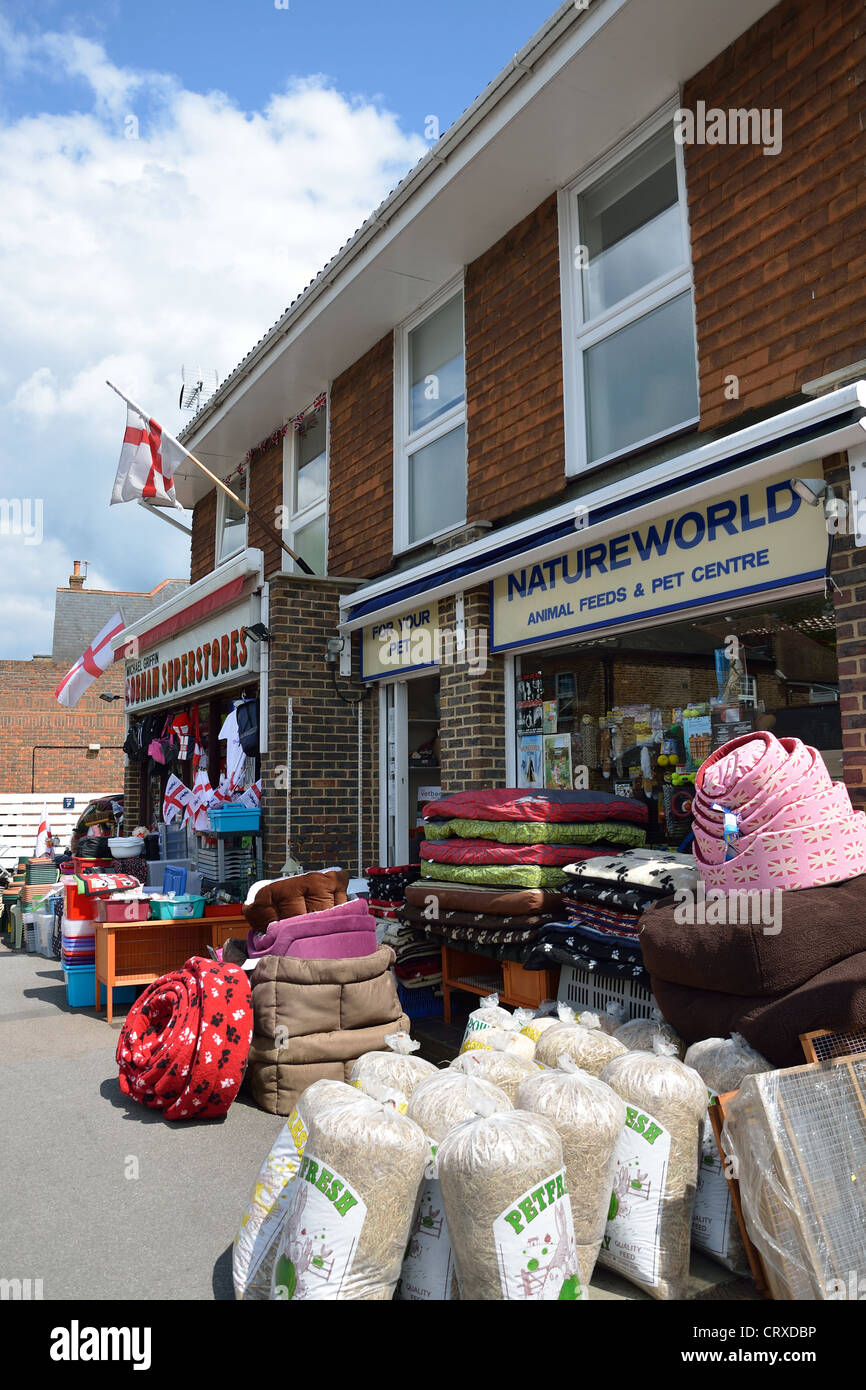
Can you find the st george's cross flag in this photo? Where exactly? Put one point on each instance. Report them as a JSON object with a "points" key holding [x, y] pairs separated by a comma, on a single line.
{"points": [[90, 666], [42, 834], [148, 459]]}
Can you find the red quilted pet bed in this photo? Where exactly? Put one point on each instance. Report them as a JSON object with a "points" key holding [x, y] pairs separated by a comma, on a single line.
{"points": [[489, 852], [183, 1048], [516, 803]]}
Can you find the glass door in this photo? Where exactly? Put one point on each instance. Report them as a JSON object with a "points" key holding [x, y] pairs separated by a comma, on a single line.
{"points": [[393, 808]]}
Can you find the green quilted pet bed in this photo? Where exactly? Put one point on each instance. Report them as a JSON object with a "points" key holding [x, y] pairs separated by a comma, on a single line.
{"points": [[499, 875], [518, 832]]}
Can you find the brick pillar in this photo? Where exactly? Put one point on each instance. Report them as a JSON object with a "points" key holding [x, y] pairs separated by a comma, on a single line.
{"points": [[849, 572], [304, 612], [472, 705]]}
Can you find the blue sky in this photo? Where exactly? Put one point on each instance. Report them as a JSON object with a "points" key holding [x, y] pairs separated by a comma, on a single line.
{"points": [[261, 139]]}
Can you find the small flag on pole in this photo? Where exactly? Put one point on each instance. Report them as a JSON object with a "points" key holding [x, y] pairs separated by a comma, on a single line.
{"points": [[177, 798], [90, 666], [148, 460], [43, 835]]}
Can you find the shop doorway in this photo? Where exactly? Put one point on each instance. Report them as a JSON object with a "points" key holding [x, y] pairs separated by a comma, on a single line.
{"points": [[410, 770]]}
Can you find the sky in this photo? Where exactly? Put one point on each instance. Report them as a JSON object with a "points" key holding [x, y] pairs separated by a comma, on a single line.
{"points": [[171, 176]]}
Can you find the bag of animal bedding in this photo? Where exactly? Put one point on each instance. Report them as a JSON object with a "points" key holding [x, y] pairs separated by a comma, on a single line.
{"points": [[648, 1234], [438, 1104], [487, 1015], [639, 1034], [255, 1242], [495, 1064], [533, 1022], [723, 1064], [396, 1069], [505, 1190], [589, 1118], [352, 1205], [589, 1046]]}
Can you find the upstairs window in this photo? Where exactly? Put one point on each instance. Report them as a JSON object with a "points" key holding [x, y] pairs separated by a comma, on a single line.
{"points": [[231, 528], [305, 489], [632, 373], [430, 423]]}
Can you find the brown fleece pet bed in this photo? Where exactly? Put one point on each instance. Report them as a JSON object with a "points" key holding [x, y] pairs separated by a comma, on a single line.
{"points": [[820, 928], [293, 897], [834, 999], [495, 902]]}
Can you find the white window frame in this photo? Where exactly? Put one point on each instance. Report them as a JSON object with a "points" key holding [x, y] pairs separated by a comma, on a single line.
{"points": [[222, 503], [578, 333], [406, 443], [296, 520]]}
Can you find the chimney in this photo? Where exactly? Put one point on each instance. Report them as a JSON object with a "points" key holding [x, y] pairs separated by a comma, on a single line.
{"points": [[76, 578]]}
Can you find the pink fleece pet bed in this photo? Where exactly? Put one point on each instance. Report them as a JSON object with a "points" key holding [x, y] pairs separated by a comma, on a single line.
{"points": [[338, 933]]}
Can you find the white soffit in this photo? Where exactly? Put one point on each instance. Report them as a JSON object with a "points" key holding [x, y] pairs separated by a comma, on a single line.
{"points": [[617, 63]]}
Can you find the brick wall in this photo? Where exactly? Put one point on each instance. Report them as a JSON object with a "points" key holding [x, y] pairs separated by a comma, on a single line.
{"points": [[360, 525], [515, 429], [30, 718], [849, 572], [324, 797], [266, 495], [777, 242], [472, 709], [201, 550]]}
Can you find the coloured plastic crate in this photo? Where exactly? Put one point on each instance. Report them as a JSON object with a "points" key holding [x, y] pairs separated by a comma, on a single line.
{"points": [[79, 907], [186, 906], [235, 819], [420, 1003], [81, 988], [129, 910]]}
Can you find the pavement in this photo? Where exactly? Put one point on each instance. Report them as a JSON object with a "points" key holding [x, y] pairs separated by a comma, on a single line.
{"points": [[101, 1198], [104, 1199]]}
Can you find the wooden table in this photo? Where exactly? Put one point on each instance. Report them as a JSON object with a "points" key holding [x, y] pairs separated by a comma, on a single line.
{"points": [[137, 953], [478, 974]]}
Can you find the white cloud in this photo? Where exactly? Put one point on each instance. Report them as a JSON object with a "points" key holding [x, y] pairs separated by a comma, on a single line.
{"points": [[128, 257]]}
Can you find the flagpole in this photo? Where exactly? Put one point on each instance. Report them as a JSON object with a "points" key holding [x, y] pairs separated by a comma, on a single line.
{"points": [[249, 511]]}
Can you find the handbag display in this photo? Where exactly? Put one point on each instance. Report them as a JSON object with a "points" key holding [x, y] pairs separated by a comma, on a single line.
{"points": [[165, 749], [248, 726]]}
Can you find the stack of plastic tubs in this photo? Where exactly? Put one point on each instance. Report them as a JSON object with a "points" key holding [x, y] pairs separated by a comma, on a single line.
{"points": [[78, 947]]}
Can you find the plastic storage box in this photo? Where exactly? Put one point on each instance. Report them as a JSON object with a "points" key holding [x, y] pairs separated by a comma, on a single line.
{"points": [[81, 988], [234, 820], [129, 910], [186, 906]]}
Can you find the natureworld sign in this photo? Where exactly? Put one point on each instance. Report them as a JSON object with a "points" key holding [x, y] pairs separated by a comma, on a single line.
{"points": [[744, 541]]}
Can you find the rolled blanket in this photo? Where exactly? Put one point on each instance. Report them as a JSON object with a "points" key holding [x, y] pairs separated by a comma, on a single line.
{"points": [[518, 832], [494, 902], [834, 999], [183, 1048], [518, 803], [756, 944], [337, 933], [488, 852]]}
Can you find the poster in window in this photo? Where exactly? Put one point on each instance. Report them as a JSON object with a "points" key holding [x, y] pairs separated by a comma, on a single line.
{"points": [[530, 761], [530, 692], [557, 762], [549, 710]]}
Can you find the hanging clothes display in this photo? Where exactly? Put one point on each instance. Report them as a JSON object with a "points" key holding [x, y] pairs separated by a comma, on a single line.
{"points": [[236, 758]]}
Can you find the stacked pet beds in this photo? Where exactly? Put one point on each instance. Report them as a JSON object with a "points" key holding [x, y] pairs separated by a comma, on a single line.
{"points": [[323, 991], [604, 899], [768, 822], [493, 861]]}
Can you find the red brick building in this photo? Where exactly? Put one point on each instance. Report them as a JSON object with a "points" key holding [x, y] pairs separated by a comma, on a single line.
{"points": [[621, 293]]}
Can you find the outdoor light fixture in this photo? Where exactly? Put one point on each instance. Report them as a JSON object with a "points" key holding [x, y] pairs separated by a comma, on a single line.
{"points": [[333, 649], [109, 699], [259, 633], [94, 747], [812, 491]]}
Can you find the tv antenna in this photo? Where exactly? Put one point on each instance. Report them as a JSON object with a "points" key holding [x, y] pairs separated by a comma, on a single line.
{"points": [[198, 386]]}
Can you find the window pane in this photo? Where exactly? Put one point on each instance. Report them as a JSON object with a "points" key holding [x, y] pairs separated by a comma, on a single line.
{"points": [[437, 485], [436, 380], [234, 521], [310, 543], [630, 225], [641, 381], [311, 456]]}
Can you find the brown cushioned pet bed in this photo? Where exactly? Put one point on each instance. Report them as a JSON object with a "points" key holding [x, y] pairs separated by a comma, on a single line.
{"points": [[834, 999], [820, 927], [498, 902], [292, 897]]}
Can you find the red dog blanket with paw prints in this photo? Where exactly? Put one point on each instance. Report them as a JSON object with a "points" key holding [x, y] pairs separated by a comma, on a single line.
{"points": [[183, 1048]]}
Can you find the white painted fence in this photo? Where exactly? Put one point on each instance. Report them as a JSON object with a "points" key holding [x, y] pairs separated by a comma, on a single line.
{"points": [[20, 817]]}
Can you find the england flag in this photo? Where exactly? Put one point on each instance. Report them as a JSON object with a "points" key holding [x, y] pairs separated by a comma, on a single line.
{"points": [[148, 460], [91, 665]]}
